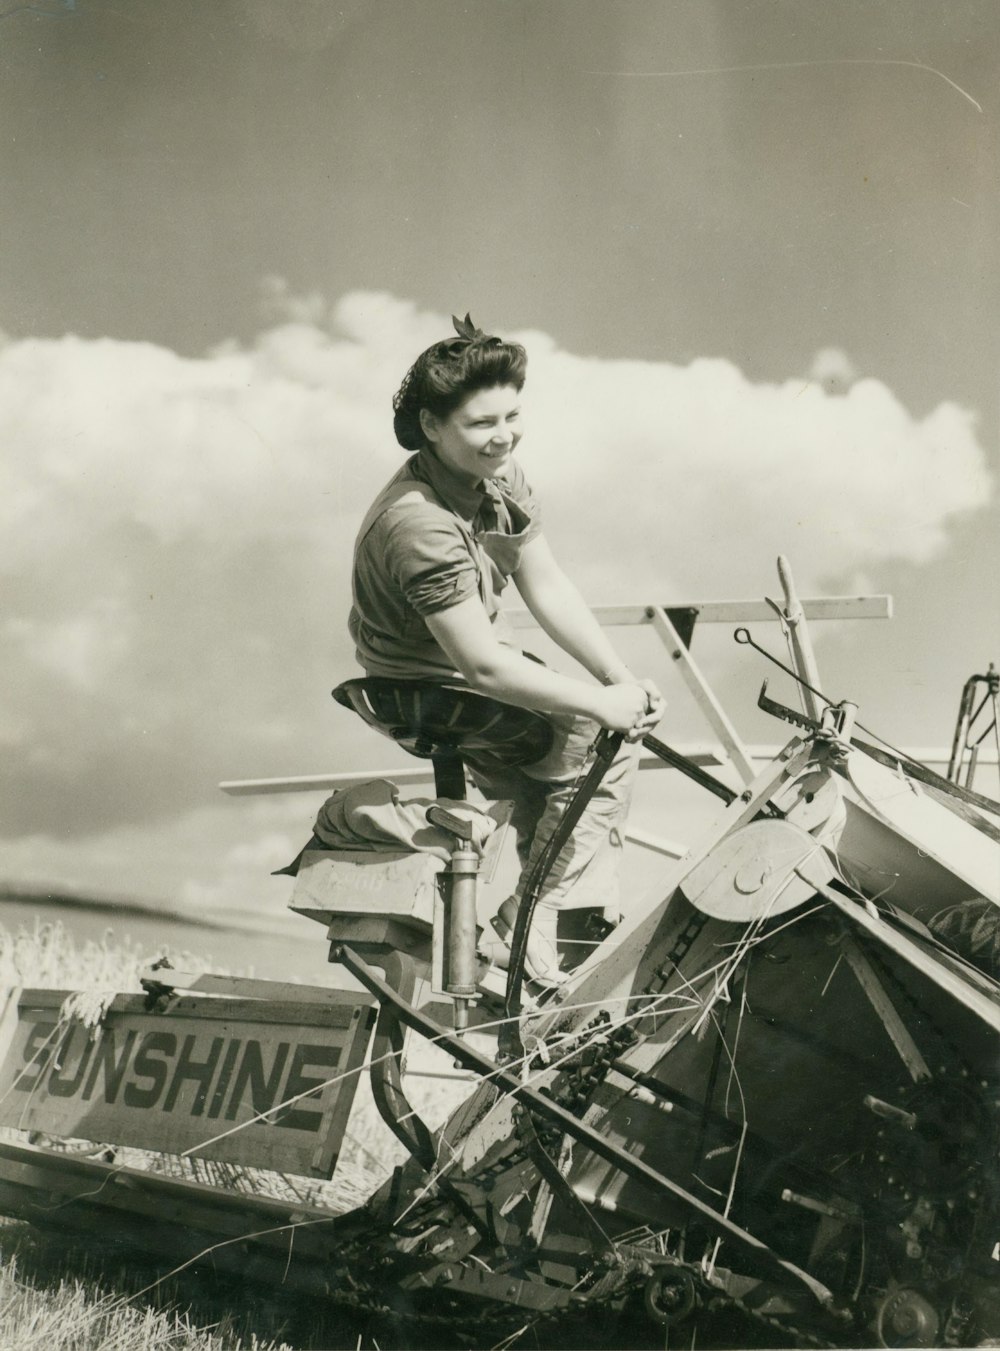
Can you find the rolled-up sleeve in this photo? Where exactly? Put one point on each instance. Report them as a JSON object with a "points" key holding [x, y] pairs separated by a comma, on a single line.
{"points": [[427, 557]]}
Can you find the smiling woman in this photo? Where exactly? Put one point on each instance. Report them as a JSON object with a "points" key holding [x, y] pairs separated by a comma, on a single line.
{"points": [[477, 440], [433, 557]]}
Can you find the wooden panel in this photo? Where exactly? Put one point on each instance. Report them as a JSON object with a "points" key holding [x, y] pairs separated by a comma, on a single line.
{"points": [[366, 882], [181, 1078]]}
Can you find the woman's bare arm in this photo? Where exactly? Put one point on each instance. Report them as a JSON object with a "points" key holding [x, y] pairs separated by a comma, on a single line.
{"points": [[563, 614], [466, 635]]}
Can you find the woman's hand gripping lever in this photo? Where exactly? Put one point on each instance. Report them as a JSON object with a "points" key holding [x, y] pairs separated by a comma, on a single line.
{"points": [[631, 707]]}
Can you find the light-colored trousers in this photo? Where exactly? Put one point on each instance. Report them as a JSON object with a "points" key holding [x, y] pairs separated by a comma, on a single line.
{"points": [[586, 872]]}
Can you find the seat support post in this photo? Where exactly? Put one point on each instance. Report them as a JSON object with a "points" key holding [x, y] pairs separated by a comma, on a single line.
{"points": [[455, 966], [461, 964], [449, 775]]}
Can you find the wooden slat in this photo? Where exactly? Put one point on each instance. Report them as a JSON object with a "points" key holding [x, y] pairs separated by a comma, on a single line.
{"points": [[985, 1006], [729, 611], [703, 693], [699, 754], [313, 783], [244, 987], [878, 997], [336, 1011], [800, 644]]}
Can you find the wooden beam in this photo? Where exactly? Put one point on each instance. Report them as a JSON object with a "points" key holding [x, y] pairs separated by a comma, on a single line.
{"points": [[730, 611], [421, 773], [703, 693], [936, 968], [316, 783], [896, 1029], [702, 755], [243, 987], [799, 642]]}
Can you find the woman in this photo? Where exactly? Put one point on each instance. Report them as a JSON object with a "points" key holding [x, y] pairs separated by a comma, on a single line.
{"points": [[432, 558]]}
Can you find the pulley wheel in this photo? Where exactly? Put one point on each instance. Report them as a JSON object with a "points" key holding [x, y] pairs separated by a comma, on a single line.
{"points": [[669, 1296], [906, 1318]]}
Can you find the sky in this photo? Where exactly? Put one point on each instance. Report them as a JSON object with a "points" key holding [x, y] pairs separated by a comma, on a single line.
{"points": [[750, 245]]}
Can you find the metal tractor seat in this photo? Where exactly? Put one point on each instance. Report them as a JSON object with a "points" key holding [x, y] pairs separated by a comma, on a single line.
{"points": [[441, 723]]}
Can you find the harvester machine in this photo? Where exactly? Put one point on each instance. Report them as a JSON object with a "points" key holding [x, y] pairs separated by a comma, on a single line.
{"points": [[763, 1109]]}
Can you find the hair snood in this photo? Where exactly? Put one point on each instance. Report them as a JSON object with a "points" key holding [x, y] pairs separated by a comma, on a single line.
{"points": [[445, 374]]}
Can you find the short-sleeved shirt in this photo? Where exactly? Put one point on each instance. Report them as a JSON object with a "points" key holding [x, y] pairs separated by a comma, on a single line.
{"points": [[430, 541]]}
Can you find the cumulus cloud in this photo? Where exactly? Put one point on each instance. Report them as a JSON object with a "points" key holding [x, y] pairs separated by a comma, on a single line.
{"points": [[175, 533], [699, 477]]}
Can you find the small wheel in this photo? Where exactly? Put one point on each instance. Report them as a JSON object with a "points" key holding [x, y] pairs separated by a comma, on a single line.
{"points": [[905, 1318], [669, 1296]]}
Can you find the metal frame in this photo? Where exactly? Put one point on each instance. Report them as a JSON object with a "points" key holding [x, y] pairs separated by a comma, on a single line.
{"points": [[540, 1104]]}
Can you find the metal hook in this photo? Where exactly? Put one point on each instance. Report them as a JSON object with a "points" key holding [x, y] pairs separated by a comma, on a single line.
{"points": [[743, 635]]}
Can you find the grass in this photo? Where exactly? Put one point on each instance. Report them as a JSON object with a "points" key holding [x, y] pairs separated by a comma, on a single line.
{"points": [[47, 956], [57, 1296], [73, 1313]]}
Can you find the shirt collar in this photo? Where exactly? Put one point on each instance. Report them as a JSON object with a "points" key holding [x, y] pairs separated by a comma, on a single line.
{"points": [[454, 492]]}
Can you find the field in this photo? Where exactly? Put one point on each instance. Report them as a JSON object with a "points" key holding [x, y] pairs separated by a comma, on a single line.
{"points": [[56, 1296]]}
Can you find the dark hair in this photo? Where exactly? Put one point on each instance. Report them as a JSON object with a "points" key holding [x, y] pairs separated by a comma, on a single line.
{"points": [[445, 374]]}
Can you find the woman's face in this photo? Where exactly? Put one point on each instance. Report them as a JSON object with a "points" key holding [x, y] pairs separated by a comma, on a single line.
{"points": [[476, 440]]}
